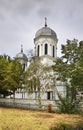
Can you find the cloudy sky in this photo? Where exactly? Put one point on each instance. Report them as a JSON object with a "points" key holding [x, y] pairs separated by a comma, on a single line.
{"points": [[20, 19]]}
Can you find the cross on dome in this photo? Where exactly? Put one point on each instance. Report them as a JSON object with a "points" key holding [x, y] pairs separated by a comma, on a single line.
{"points": [[45, 22], [21, 48]]}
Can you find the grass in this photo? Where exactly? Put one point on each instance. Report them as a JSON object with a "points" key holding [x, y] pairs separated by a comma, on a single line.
{"points": [[16, 119]]}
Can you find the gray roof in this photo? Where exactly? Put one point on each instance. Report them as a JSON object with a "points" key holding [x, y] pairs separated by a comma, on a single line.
{"points": [[45, 31], [21, 55]]}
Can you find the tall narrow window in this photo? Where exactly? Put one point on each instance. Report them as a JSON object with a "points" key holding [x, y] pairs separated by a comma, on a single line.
{"points": [[38, 49], [48, 95], [46, 49], [53, 51], [24, 67]]}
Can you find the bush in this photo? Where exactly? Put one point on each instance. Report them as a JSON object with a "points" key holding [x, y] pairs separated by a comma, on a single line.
{"points": [[63, 126], [67, 105]]}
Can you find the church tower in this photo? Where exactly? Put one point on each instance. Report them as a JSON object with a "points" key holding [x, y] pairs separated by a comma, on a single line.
{"points": [[46, 44], [22, 58]]}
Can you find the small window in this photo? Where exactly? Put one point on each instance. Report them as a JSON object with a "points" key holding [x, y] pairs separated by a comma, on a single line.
{"points": [[48, 95], [53, 51], [46, 49], [24, 67], [38, 50]]}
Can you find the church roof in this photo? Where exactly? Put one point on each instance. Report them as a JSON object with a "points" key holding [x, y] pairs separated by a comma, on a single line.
{"points": [[45, 31], [21, 55]]}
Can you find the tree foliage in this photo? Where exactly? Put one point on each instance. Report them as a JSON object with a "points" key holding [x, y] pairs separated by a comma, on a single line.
{"points": [[70, 70], [11, 75]]}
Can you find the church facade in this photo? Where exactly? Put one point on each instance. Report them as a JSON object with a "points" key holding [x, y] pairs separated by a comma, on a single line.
{"points": [[45, 43]]}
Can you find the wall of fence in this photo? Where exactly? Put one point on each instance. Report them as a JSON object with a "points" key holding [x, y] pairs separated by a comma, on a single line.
{"points": [[29, 104], [26, 104]]}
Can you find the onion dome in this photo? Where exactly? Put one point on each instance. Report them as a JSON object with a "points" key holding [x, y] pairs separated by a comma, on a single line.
{"points": [[45, 31], [21, 55]]}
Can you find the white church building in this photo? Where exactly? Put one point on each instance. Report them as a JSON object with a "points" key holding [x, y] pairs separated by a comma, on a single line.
{"points": [[45, 42]]}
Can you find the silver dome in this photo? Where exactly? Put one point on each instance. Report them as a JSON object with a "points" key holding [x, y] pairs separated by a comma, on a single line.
{"points": [[45, 31], [21, 55]]}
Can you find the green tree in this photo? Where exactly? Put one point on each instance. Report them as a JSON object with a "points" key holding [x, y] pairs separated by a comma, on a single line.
{"points": [[3, 64], [70, 70], [14, 76], [77, 72], [11, 76]]}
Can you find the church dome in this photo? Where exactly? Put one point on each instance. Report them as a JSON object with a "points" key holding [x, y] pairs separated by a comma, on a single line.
{"points": [[21, 55], [45, 31]]}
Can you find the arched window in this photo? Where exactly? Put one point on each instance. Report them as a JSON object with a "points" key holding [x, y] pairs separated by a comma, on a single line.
{"points": [[38, 49], [53, 51], [46, 49]]}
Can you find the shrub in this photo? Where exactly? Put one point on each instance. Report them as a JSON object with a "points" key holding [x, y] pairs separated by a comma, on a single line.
{"points": [[67, 105], [63, 126]]}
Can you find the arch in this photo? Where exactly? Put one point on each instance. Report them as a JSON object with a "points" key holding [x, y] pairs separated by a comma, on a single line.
{"points": [[46, 49]]}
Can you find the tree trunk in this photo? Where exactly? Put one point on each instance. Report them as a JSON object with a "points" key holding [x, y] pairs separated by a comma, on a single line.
{"points": [[39, 99]]}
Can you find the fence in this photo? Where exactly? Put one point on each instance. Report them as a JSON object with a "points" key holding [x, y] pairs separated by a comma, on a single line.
{"points": [[26, 104], [29, 104]]}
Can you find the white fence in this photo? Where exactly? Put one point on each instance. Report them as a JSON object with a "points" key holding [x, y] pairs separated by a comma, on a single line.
{"points": [[26, 104], [29, 104]]}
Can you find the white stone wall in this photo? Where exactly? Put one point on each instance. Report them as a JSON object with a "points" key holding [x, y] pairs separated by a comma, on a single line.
{"points": [[47, 60], [42, 41]]}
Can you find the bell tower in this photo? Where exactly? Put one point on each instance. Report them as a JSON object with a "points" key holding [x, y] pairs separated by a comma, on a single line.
{"points": [[46, 44]]}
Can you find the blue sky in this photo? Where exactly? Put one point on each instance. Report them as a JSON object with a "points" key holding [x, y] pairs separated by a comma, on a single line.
{"points": [[20, 19]]}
